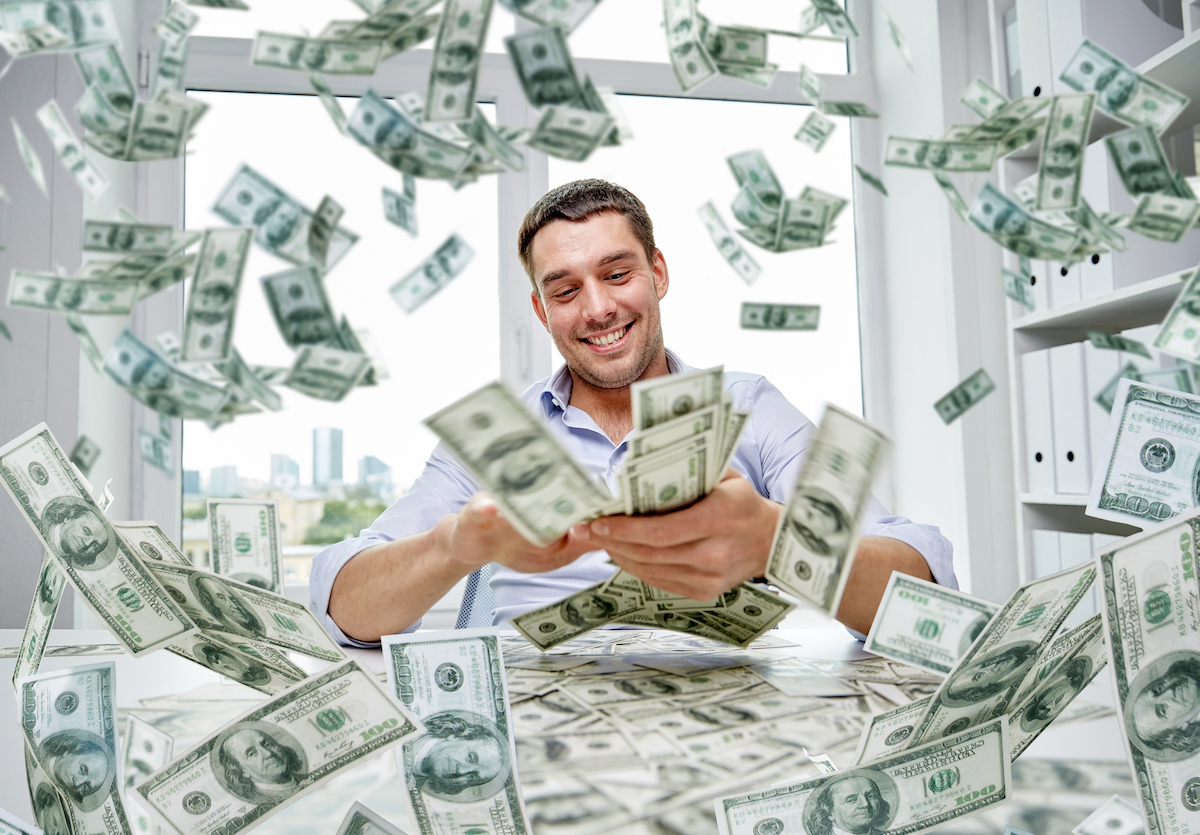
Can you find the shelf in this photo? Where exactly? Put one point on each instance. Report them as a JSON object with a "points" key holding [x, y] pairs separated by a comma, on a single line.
{"points": [[1056, 499], [1178, 66], [1144, 303]]}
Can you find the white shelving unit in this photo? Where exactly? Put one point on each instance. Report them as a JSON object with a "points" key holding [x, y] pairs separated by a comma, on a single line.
{"points": [[1145, 282]]}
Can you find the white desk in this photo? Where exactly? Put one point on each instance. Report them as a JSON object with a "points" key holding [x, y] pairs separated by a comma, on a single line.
{"points": [[375, 782]]}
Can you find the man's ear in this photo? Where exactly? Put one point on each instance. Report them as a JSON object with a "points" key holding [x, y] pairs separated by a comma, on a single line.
{"points": [[539, 309], [661, 279]]}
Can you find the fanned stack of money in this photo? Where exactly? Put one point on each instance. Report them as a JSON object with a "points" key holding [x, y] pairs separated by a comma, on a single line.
{"points": [[776, 223]]}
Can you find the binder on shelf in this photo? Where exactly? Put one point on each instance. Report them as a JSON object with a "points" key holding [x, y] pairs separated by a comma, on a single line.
{"points": [[1064, 284], [1039, 426], [1099, 366], [1039, 281], [1096, 273], [1068, 393], [1046, 559], [1073, 549]]}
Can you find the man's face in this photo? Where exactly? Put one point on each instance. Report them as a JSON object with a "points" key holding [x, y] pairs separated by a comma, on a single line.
{"points": [[465, 762], [83, 772], [597, 285], [258, 756], [1170, 702], [81, 534], [856, 802]]}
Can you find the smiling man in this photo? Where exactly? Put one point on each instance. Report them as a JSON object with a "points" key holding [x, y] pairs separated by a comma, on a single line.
{"points": [[597, 280]]}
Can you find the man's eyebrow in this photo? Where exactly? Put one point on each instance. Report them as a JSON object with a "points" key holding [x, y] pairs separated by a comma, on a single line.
{"points": [[603, 262]]}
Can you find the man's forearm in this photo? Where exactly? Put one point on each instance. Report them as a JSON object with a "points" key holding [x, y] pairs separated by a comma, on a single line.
{"points": [[876, 559], [388, 587]]}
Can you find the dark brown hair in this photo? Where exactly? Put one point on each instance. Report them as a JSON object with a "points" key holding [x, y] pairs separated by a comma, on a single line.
{"points": [[580, 200]]}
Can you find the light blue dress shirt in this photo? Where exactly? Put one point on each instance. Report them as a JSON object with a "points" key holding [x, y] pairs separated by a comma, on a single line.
{"points": [[772, 448]]}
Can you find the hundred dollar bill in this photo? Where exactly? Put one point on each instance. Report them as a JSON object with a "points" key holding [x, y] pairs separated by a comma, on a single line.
{"points": [[362, 821], [401, 209], [983, 98], [463, 767], [1164, 218], [689, 59], [1017, 288], [871, 180], [987, 677], [963, 396], [155, 382], [1120, 91], [240, 374], [335, 57], [487, 138], [1067, 666], [888, 732], [327, 373], [897, 38], [10, 824], [572, 616], [227, 607], [70, 726], [1141, 163], [176, 23], [266, 758], [780, 317], [156, 451], [456, 60], [1016, 229], [103, 70], [95, 297], [328, 100], [110, 578], [44, 38], [118, 238], [565, 14], [912, 791], [300, 307], [383, 20], [1115, 816], [84, 454], [70, 150], [570, 133], [732, 251], [813, 549], [256, 665], [846, 108], [83, 22], [670, 396], [1087, 219], [150, 542], [947, 186], [1116, 342], [1154, 644], [811, 84], [926, 625], [1149, 457], [320, 230], [539, 487], [753, 172], [157, 130], [815, 131], [835, 203], [543, 64], [168, 72], [835, 18], [146, 749], [802, 224], [940, 156], [33, 163], [434, 273], [281, 223], [212, 303], [1007, 119], [49, 808], [171, 272], [1060, 166], [399, 140], [244, 541], [1180, 331], [670, 478]]}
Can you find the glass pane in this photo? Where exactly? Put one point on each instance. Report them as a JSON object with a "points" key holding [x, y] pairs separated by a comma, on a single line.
{"points": [[298, 16], [444, 349], [632, 30], [675, 163]]}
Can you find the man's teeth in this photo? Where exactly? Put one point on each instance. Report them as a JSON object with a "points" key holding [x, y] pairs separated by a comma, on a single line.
{"points": [[609, 339]]}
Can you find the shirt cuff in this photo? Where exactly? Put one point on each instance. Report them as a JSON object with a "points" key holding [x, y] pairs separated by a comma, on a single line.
{"points": [[326, 566]]}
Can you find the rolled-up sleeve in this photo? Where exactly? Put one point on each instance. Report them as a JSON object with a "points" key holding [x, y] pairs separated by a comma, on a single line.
{"points": [[443, 488]]}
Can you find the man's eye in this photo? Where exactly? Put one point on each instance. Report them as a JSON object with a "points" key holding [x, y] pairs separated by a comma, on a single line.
{"points": [[617, 275]]}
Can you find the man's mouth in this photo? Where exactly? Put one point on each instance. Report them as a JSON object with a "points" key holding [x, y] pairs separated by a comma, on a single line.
{"points": [[606, 340]]}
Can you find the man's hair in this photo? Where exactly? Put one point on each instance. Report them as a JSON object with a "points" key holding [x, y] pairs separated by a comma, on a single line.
{"points": [[580, 200]]}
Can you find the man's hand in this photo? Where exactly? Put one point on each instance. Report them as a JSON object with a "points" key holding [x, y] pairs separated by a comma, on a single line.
{"points": [[700, 551], [479, 534]]}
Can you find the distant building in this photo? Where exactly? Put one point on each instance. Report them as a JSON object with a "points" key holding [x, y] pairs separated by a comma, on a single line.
{"points": [[285, 473], [191, 482], [327, 456], [377, 477], [223, 481]]}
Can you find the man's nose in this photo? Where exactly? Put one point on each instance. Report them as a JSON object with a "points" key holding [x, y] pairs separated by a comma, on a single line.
{"points": [[598, 303]]}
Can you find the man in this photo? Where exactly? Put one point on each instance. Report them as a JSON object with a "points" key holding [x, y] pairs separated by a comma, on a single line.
{"points": [[851, 805], [258, 768], [597, 278]]}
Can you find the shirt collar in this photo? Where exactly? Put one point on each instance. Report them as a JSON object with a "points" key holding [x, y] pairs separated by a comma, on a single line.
{"points": [[556, 394]]}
